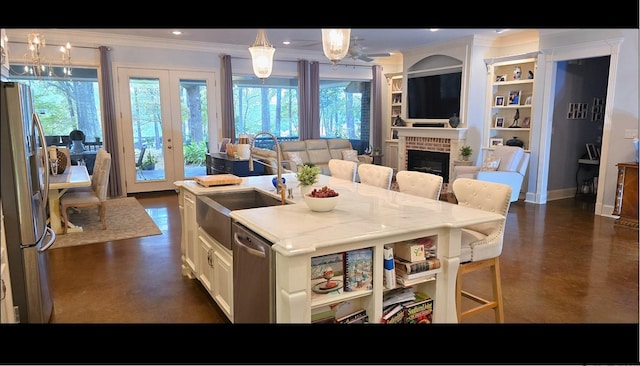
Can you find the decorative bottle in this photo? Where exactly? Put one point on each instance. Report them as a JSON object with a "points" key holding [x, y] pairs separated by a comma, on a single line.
{"points": [[454, 120]]}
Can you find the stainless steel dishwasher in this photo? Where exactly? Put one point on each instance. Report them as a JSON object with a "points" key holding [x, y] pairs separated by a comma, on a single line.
{"points": [[253, 277]]}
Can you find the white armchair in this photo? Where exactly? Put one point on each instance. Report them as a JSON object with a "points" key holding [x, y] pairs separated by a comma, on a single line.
{"points": [[506, 165]]}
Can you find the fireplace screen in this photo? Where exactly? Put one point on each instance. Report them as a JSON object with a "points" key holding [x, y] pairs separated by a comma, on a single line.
{"points": [[429, 162]]}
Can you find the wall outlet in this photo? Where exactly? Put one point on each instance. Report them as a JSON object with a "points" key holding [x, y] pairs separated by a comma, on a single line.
{"points": [[630, 133]]}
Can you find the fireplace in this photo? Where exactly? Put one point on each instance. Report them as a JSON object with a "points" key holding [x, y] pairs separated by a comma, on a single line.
{"points": [[441, 144], [429, 162]]}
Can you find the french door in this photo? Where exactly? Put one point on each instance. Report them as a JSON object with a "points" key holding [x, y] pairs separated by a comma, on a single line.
{"points": [[165, 121]]}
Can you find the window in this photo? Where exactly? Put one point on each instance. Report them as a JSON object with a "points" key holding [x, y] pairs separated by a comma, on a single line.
{"points": [[344, 110], [273, 106], [270, 106], [65, 104]]}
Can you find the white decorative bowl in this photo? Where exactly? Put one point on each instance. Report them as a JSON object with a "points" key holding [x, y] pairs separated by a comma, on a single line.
{"points": [[321, 204]]}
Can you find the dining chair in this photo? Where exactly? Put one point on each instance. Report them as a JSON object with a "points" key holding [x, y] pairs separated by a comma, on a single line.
{"points": [[420, 183], [96, 196], [375, 175], [344, 169], [482, 243]]}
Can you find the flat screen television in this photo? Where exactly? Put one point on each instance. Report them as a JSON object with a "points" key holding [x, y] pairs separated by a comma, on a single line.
{"points": [[434, 96]]}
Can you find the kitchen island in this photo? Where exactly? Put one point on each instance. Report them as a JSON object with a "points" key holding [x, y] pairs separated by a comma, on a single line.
{"points": [[365, 217]]}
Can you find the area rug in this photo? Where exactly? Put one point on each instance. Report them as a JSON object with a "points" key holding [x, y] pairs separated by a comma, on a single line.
{"points": [[126, 218]]}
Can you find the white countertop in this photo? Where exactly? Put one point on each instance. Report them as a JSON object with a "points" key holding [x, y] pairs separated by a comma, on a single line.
{"points": [[363, 213]]}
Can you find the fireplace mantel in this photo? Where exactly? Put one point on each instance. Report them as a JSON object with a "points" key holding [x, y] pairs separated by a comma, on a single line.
{"points": [[436, 132]]}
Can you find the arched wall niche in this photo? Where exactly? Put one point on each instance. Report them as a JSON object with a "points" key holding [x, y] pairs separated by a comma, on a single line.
{"points": [[433, 65]]}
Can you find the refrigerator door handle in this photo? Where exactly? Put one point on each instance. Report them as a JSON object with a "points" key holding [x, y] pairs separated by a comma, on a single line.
{"points": [[51, 241], [45, 158]]}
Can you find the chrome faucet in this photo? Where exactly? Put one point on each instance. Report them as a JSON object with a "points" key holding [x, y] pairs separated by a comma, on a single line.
{"points": [[281, 188]]}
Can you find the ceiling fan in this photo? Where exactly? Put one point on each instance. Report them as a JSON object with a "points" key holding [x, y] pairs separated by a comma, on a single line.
{"points": [[356, 51]]}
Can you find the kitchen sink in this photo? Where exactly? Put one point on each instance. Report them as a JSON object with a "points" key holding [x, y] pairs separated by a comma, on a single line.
{"points": [[213, 210]]}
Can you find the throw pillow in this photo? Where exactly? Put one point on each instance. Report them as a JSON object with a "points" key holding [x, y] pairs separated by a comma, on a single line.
{"points": [[295, 157], [350, 155], [490, 163]]}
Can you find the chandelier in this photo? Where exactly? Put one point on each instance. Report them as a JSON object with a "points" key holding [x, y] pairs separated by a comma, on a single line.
{"points": [[335, 43], [38, 65], [262, 55]]}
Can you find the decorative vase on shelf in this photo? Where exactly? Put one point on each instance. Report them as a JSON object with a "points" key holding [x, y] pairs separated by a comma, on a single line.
{"points": [[515, 141], [454, 121]]}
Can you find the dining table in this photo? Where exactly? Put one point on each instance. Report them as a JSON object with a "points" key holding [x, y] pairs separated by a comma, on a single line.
{"points": [[74, 176]]}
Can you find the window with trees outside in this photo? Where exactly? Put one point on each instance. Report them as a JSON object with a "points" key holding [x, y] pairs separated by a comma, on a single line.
{"points": [[273, 106], [63, 103]]}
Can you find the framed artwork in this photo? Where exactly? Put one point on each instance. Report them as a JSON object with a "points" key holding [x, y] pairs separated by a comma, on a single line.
{"points": [[593, 153], [495, 141], [499, 100], [499, 122], [526, 122], [223, 144], [528, 100], [514, 97], [500, 78]]}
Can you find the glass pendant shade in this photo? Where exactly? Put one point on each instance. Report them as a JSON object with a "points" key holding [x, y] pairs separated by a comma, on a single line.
{"points": [[335, 43], [262, 55]]}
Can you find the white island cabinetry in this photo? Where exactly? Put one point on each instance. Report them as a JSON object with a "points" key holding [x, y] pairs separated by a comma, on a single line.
{"points": [[216, 271], [365, 217], [187, 206]]}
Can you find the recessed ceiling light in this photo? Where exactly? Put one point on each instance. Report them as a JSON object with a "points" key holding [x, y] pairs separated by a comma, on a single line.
{"points": [[286, 42], [434, 29], [177, 33]]}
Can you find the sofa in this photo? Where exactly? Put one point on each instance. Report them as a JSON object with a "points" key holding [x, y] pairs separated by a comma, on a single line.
{"points": [[315, 151]]}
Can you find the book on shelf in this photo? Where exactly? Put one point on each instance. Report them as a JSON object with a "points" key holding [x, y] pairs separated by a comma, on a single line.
{"points": [[414, 276], [358, 270], [324, 314], [406, 267], [394, 315], [419, 311], [389, 279], [397, 296], [355, 316], [327, 275], [405, 282]]}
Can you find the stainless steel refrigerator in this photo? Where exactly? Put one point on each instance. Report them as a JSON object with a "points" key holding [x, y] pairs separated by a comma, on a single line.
{"points": [[24, 182]]}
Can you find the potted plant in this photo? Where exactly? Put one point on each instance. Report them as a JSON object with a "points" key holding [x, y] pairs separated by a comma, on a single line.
{"points": [[307, 176], [149, 162], [466, 151]]}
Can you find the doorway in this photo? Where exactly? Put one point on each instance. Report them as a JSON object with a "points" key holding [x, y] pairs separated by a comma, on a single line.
{"points": [[165, 122], [548, 66], [578, 121]]}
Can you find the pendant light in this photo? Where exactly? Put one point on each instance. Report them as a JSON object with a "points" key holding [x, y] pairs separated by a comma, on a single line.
{"points": [[335, 43], [262, 55]]}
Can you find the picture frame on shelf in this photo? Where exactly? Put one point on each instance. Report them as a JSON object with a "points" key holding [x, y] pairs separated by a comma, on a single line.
{"points": [[495, 141], [528, 100], [593, 153], [499, 122], [501, 78], [499, 100], [526, 122], [223, 144], [514, 97]]}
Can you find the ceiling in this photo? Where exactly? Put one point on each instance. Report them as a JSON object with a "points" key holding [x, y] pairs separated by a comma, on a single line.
{"points": [[369, 40]]}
